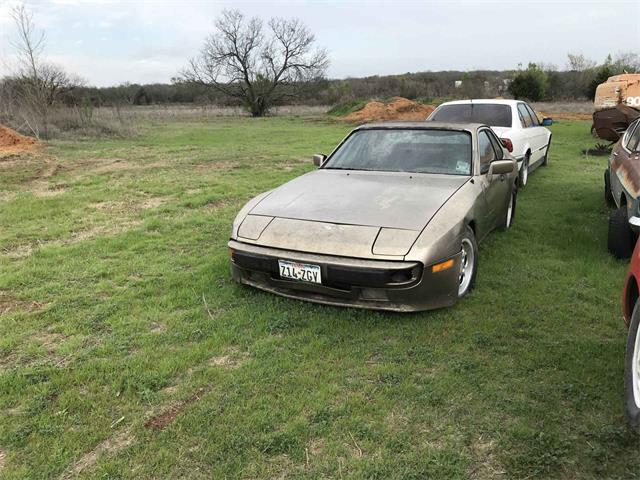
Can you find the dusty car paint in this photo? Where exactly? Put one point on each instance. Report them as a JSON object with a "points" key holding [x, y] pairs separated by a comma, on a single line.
{"points": [[624, 167], [365, 221]]}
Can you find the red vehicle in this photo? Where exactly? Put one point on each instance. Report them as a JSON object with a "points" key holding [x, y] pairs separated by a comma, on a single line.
{"points": [[631, 313]]}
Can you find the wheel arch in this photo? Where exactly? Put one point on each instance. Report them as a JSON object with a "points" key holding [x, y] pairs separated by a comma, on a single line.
{"points": [[472, 224]]}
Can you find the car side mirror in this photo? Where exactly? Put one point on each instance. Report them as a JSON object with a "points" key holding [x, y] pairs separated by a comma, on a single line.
{"points": [[500, 167], [547, 122], [318, 159]]}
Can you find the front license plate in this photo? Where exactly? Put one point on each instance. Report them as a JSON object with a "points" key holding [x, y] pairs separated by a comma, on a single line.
{"points": [[303, 272]]}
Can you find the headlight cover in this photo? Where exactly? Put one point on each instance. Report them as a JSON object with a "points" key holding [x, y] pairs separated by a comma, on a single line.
{"points": [[253, 226], [245, 211], [394, 241]]}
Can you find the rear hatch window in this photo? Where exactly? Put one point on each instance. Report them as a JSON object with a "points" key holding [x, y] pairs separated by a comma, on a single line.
{"points": [[494, 115]]}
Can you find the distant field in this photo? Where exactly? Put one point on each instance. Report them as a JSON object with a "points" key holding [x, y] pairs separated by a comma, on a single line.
{"points": [[127, 352]]}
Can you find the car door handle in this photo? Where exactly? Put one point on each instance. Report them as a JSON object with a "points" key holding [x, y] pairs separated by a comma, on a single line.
{"points": [[615, 154]]}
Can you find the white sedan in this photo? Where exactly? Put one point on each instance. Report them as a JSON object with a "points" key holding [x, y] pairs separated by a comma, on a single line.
{"points": [[514, 121]]}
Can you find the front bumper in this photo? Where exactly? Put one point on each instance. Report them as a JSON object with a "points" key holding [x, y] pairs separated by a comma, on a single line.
{"points": [[374, 284]]}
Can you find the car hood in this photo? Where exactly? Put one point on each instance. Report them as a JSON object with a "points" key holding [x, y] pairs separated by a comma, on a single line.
{"points": [[374, 199]]}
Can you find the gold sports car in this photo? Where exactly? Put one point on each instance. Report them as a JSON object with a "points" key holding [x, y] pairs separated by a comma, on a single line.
{"points": [[390, 220]]}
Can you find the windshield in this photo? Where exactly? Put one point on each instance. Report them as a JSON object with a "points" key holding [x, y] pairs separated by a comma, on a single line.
{"points": [[492, 114], [415, 151]]}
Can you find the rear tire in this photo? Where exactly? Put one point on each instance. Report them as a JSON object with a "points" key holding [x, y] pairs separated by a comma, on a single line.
{"points": [[468, 263], [523, 175], [620, 237], [608, 196], [545, 161], [632, 371]]}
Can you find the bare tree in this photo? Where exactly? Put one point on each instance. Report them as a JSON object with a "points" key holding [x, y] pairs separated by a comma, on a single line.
{"points": [[38, 84], [240, 60], [627, 62], [577, 62]]}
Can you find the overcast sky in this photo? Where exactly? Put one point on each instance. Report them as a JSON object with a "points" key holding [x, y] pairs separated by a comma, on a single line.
{"points": [[110, 42]]}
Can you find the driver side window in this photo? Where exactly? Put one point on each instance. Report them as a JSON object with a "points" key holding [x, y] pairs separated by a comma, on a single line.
{"points": [[633, 143], [485, 151]]}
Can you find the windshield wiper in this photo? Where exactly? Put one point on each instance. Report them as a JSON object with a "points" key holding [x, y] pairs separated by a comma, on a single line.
{"points": [[349, 168]]}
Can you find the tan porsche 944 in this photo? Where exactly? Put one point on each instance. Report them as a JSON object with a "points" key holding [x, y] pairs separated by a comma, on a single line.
{"points": [[390, 220]]}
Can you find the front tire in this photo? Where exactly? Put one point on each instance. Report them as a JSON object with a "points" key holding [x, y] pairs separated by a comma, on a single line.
{"points": [[608, 196], [632, 371], [511, 210], [468, 263], [620, 237]]}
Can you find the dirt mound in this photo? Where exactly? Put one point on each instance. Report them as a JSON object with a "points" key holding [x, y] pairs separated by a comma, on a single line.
{"points": [[12, 142], [398, 109]]}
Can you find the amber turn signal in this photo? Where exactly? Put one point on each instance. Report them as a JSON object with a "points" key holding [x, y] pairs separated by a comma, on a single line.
{"points": [[438, 267]]}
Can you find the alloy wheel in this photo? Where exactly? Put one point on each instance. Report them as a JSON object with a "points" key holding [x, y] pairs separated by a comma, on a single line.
{"points": [[467, 262]]}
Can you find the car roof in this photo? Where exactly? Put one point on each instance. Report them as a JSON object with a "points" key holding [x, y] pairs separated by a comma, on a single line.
{"points": [[499, 101], [469, 127]]}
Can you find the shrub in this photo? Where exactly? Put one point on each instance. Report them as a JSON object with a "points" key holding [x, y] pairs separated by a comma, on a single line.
{"points": [[345, 108], [530, 84]]}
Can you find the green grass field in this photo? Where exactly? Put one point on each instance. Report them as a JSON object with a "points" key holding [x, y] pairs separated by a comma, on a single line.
{"points": [[127, 352]]}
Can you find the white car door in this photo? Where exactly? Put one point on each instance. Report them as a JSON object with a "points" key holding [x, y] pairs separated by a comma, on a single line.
{"points": [[536, 135], [541, 134]]}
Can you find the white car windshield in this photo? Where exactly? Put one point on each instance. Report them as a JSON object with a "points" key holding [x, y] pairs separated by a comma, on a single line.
{"points": [[405, 150]]}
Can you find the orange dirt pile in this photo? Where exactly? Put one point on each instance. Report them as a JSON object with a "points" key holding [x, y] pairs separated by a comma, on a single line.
{"points": [[398, 109], [12, 142]]}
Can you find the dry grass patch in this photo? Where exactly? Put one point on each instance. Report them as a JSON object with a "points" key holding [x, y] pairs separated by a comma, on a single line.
{"points": [[20, 251], [233, 359], [133, 205], [106, 166], [213, 165], [108, 447], [157, 327], [48, 341], [154, 202], [9, 303], [23, 251], [43, 190], [217, 204], [7, 196], [3, 457], [102, 231], [484, 463], [316, 447], [170, 390]]}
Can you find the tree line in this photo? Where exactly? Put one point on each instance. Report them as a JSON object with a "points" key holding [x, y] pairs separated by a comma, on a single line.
{"points": [[536, 82]]}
